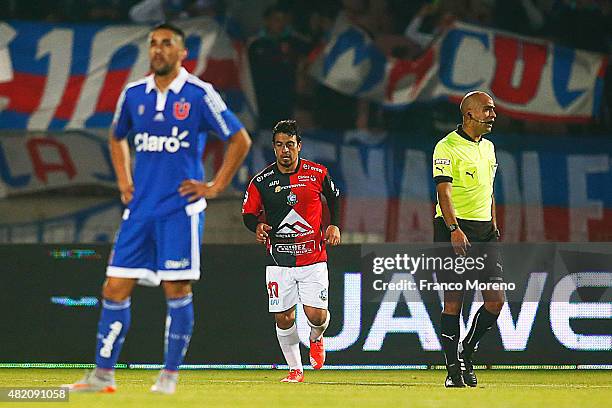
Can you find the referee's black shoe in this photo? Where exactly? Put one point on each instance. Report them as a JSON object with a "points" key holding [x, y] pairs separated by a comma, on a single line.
{"points": [[454, 378], [467, 368]]}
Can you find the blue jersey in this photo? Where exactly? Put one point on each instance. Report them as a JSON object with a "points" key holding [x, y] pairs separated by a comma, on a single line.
{"points": [[170, 131]]}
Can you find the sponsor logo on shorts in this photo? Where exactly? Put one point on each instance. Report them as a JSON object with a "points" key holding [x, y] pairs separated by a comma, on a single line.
{"points": [[296, 249], [180, 264]]}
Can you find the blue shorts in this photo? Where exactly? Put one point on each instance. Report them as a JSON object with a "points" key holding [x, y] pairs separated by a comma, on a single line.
{"points": [[160, 249]]}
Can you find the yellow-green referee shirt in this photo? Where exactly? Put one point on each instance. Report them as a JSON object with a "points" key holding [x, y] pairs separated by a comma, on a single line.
{"points": [[471, 167]]}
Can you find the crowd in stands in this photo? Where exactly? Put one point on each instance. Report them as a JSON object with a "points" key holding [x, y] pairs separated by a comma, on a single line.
{"points": [[280, 35]]}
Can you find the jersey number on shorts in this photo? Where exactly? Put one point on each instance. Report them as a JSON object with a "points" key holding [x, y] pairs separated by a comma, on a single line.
{"points": [[273, 289]]}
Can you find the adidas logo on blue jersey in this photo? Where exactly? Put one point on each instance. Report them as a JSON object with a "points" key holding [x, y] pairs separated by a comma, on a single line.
{"points": [[144, 142]]}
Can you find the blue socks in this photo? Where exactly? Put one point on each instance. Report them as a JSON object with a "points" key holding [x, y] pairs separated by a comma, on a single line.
{"points": [[112, 327], [179, 326], [115, 321]]}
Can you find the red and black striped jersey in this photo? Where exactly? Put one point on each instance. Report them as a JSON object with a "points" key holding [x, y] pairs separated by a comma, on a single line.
{"points": [[291, 204]]}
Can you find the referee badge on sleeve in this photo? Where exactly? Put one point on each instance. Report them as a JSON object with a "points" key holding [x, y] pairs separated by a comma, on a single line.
{"points": [[439, 165]]}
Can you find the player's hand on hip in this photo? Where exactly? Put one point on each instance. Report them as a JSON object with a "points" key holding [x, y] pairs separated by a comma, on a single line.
{"points": [[127, 192], [195, 190], [460, 242], [261, 232], [332, 235]]}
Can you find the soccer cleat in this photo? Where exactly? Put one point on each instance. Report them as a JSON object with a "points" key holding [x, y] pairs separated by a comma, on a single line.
{"points": [[317, 354], [93, 382], [295, 376], [454, 379], [467, 369], [166, 382]]}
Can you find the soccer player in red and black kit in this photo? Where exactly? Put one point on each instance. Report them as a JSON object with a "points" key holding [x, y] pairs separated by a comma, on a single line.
{"points": [[283, 207]]}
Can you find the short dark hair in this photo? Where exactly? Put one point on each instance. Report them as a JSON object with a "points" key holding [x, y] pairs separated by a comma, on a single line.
{"points": [[170, 27], [288, 127]]}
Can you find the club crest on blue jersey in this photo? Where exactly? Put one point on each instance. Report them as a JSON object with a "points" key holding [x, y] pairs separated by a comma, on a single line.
{"points": [[292, 199], [181, 110]]}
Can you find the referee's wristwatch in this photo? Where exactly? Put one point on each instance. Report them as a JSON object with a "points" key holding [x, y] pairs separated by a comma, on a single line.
{"points": [[453, 227]]}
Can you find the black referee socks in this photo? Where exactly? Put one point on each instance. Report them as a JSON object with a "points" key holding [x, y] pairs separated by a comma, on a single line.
{"points": [[483, 321], [449, 325]]}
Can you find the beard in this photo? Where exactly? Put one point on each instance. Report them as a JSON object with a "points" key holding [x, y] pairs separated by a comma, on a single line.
{"points": [[285, 162], [162, 70]]}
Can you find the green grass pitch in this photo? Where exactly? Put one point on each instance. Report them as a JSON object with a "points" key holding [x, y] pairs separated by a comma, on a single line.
{"points": [[333, 388]]}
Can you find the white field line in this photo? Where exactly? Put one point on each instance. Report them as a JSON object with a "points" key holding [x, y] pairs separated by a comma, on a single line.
{"points": [[363, 383]]}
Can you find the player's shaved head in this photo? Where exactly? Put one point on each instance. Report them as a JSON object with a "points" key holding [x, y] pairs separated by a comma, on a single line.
{"points": [[473, 100]]}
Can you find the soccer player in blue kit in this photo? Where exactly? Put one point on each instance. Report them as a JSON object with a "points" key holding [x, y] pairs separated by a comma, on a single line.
{"points": [[169, 113]]}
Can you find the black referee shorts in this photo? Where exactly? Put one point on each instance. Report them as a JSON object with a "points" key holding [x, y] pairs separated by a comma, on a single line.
{"points": [[484, 250]]}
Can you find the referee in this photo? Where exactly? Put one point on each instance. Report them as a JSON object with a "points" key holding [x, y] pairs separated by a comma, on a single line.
{"points": [[464, 168]]}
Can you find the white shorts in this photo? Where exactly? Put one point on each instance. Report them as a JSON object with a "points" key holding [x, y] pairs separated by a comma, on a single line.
{"points": [[288, 285]]}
